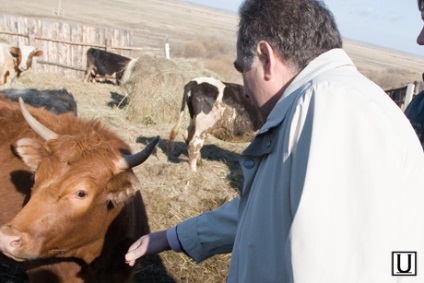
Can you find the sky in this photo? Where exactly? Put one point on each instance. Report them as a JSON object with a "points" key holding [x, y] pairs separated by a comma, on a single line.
{"points": [[392, 24]]}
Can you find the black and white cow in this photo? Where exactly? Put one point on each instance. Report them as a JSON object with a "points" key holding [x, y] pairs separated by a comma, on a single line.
{"points": [[104, 66], [219, 108], [57, 101]]}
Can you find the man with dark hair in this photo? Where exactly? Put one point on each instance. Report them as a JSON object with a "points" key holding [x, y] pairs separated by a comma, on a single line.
{"points": [[332, 181], [415, 109]]}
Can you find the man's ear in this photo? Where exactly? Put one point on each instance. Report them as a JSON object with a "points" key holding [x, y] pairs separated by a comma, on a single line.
{"points": [[267, 58]]}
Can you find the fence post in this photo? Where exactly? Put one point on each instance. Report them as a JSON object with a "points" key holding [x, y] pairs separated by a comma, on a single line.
{"points": [[408, 95], [167, 51]]}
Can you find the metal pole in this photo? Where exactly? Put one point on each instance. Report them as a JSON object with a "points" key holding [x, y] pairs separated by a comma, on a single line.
{"points": [[58, 12]]}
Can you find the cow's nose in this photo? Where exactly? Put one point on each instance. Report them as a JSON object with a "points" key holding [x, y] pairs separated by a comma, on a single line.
{"points": [[15, 242], [9, 241]]}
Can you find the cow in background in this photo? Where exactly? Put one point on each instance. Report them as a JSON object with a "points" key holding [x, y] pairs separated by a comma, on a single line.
{"points": [[104, 66], [71, 203], [219, 108], [57, 101], [15, 60]]}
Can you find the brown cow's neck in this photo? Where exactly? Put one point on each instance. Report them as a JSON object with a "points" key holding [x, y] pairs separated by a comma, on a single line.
{"points": [[89, 252]]}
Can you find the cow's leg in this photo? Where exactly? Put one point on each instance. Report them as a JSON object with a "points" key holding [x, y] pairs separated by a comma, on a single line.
{"points": [[93, 75], [8, 73], [203, 137], [8, 78], [198, 130], [194, 147], [194, 144], [89, 74], [189, 133]]}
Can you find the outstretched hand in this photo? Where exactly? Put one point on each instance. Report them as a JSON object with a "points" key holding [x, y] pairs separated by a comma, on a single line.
{"points": [[153, 243]]}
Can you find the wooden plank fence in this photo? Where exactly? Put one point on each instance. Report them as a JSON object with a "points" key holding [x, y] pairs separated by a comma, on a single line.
{"points": [[65, 44], [402, 96]]}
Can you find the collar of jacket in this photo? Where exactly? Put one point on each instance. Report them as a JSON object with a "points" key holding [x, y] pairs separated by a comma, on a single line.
{"points": [[265, 140]]}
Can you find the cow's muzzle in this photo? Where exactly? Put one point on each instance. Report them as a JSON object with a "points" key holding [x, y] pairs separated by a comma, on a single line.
{"points": [[12, 243]]}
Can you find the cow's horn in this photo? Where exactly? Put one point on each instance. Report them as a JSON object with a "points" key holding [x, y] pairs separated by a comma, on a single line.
{"points": [[39, 128], [130, 161]]}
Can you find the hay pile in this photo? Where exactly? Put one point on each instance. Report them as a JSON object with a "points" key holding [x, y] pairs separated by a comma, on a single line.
{"points": [[155, 87]]}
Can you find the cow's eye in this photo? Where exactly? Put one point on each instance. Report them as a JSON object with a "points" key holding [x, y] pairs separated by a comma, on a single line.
{"points": [[81, 194]]}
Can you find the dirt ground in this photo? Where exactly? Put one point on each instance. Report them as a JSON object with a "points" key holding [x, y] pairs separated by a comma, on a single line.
{"points": [[172, 193]]}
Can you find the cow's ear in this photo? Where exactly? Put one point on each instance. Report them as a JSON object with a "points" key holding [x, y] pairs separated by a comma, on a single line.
{"points": [[30, 151], [14, 51], [38, 53], [122, 186]]}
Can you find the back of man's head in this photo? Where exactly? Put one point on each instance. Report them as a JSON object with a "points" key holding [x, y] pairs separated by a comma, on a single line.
{"points": [[299, 30]]}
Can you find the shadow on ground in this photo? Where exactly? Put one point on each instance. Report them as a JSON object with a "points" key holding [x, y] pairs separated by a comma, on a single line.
{"points": [[209, 152]]}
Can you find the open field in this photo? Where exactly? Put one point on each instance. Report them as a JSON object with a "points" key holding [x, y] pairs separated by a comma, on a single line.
{"points": [[172, 193], [152, 22]]}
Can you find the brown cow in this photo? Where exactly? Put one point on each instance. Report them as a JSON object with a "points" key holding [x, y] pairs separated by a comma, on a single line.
{"points": [[14, 60], [71, 204], [216, 107]]}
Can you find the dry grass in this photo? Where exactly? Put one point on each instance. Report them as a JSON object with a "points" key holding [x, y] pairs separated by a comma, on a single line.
{"points": [[216, 55], [387, 68], [203, 46]]}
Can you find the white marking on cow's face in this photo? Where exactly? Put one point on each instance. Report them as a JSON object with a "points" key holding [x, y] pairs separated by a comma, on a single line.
{"points": [[212, 81], [26, 57]]}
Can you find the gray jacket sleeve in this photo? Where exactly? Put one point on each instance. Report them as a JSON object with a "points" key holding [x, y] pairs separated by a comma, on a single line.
{"points": [[210, 233]]}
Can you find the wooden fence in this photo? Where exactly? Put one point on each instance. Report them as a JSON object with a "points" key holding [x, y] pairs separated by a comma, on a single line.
{"points": [[64, 44], [402, 96]]}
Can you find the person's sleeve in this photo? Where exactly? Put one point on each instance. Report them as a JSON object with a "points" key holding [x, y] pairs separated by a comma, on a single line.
{"points": [[210, 233], [172, 238]]}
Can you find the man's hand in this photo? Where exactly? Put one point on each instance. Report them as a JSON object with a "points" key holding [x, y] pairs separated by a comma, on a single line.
{"points": [[153, 243]]}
